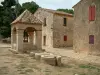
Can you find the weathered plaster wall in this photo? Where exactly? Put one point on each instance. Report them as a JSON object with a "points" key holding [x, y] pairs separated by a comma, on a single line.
{"points": [[59, 30], [46, 30], [83, 28]]}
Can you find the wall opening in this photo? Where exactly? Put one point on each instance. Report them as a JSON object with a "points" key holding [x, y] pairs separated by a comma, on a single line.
{"points": [[91, 39], [44, 40], [65, 21]]}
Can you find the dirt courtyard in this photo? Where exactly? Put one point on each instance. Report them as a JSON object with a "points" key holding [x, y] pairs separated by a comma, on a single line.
{"points": [[23, 64]]}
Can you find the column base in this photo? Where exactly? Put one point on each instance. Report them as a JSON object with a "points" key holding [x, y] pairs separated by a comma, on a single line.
{"points": [[14, 51]]}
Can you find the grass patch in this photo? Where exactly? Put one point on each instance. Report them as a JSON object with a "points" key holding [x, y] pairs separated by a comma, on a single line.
{"points": [[98, 69], [87, 66]]}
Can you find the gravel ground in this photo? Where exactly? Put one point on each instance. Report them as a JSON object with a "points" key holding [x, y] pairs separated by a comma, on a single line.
{"points": [[22, 64]]}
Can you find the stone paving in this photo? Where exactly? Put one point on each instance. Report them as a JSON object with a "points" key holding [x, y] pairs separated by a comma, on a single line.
{"points": [[69, 52]]}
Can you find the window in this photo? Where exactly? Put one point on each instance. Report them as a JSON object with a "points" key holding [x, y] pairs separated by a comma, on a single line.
{"points": [[65, 21], [44, 40], [44, 21], [91, 39], [65, 38], [92, 11]]}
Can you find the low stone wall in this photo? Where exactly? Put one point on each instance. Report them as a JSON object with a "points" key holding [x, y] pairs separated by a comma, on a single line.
{"points": [[47, 58]]}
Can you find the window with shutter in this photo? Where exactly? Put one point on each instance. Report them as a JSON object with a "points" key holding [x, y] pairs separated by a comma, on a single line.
{"points": [[92, 11], [65, 38], [91, 39]]}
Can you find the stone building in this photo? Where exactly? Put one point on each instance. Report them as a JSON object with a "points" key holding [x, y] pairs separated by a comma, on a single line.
{"points": [[57, 28], [44, 29], [87, 27], [23, 29]]}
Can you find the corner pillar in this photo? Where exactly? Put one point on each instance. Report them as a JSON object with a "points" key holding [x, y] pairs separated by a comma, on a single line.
{"points": [[12, 40], [39, 39], [20, 40]]}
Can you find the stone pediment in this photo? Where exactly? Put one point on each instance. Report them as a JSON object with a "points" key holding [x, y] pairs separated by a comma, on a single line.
{"points": [[27, 17]]}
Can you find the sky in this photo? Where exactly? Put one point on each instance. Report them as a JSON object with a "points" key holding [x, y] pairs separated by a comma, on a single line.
{"points": [[53, 4]]}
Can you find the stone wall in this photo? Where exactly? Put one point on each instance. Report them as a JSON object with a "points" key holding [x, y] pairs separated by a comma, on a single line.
{"points": [[54, 29], [83, 27], [59, 30], [46, 30], [18, 36]]}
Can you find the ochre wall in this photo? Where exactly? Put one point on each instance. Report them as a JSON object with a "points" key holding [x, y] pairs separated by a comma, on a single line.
{"points": [[83, 28], [59, 30]]}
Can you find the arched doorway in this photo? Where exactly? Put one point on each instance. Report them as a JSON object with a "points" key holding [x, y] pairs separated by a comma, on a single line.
{"points": [[29, 38]]}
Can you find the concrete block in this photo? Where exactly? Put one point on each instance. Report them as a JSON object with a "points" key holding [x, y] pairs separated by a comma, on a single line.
{"points": [[37, 56], [32, 54], [58, 60], [49, 59]]}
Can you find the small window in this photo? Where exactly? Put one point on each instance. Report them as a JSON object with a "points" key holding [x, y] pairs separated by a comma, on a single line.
{"points": [[92, 11], [44, 21], [91, 39], [65, 38], [44, 40], [65, 21]]}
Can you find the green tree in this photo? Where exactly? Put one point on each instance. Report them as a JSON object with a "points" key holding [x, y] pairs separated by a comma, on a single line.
{"points": [[6, 17], [9, 11], [66, 10], [8, 3], [31, 6], [18, 9]]}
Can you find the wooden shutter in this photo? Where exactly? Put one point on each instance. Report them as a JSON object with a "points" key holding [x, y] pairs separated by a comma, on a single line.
{"points": [[65, 38], [91, 39], [93, 13], [90, 13]]}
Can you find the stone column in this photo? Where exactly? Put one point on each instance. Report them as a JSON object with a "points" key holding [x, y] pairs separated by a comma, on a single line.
{"points": [[31, 38], [20, 40], [39, 39], [34, 38], [12, 39]]}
